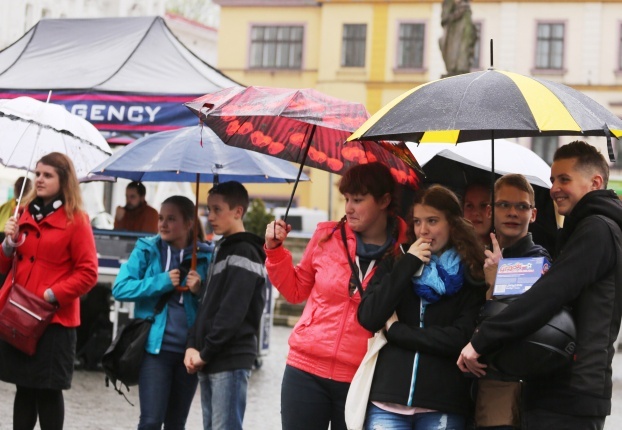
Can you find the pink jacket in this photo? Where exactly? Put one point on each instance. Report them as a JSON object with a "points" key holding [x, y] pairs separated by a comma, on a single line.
{"points": [[327, 341]]}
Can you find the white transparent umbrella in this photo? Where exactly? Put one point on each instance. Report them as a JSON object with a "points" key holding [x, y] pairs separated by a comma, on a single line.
{"points": [[30, 129], [510, 157]]}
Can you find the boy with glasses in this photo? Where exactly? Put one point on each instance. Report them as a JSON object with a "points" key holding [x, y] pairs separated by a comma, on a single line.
{"points": [[497, 404], [587, 276]]}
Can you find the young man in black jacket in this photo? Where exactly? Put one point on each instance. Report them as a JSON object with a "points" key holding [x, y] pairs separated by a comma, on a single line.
{"points": [[587, 276], [222, 344], [497, 404]]}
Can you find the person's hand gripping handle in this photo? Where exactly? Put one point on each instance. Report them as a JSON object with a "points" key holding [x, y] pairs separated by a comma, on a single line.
{"points": [[276, 233]]}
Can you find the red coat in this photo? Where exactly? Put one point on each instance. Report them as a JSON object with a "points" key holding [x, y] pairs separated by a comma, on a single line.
{"points": [[57, 254], [328, 340]]}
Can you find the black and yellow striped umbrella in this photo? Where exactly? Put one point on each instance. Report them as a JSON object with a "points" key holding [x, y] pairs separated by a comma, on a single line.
{"points": [[474, 105]]}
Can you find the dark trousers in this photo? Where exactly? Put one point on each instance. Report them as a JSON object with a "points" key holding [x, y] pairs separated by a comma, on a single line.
{"points": [[165, 391], [309, 402], [30, 403], [539, 419]]}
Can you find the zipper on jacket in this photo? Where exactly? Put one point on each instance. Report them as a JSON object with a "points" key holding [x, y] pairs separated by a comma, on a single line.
{"points": [[413, 377]]}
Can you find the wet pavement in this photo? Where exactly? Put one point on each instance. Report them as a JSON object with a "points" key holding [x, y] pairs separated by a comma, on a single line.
{"points": [[89, 405]]}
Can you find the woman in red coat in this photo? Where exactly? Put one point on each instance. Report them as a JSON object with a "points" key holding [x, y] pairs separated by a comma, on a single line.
{"points": [[50, 251]]}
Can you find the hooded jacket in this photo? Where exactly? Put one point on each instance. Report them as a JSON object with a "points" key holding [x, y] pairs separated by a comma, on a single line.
{"points": [[228, 320], [143, 280], [587, 277], [327, 341], [525, 248]]}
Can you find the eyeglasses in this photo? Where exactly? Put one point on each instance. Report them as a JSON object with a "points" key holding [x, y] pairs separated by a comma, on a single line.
{"points": [[520, 207]]}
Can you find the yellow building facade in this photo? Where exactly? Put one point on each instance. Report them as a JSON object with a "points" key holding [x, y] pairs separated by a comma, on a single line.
{"points": [[372, 51]]}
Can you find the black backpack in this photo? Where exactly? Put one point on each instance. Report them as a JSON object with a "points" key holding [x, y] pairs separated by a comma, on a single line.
{"points": [[122, 360]]}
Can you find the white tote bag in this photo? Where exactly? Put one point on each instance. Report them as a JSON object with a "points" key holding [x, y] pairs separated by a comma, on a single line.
{"points": [[358, 394]]}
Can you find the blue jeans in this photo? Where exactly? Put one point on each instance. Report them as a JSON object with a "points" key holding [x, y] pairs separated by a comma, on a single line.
{"points": [[379, 419], [223, 399], [165, 391]]}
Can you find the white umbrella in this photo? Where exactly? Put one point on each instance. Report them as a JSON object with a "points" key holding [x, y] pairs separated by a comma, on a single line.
{"points": [[510, 157], [30, 129]]}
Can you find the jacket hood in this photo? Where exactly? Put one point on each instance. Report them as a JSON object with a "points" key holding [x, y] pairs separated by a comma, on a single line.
{"points": [[151, 244], [598, 202], [247, 237]]}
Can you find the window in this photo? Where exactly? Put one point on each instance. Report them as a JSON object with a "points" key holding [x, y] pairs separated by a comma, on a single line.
{"points": [[276, 47], [477, 48], [550, 46], [410, 46], [545, 147], [353, 48]]}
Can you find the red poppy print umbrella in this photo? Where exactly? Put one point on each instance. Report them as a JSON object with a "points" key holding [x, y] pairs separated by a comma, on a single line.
{"points": [[303, 126]]}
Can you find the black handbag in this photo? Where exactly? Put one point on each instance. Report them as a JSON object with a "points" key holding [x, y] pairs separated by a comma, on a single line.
{"points": [[122, 360]]}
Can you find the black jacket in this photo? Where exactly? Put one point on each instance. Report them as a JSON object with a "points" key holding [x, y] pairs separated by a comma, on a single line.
{"points": [[423, 358], [586, 276], [525, 248], [228, 319]]}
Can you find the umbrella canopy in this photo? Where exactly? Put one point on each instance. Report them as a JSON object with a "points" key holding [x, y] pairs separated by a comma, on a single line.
{"points": [[30, 129], [457, 165], [179, 155], [193, 154], [303, 126], [473, 106]]}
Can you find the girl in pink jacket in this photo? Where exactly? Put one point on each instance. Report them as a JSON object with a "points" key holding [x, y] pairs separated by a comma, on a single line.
{"points": [[328, 344]]}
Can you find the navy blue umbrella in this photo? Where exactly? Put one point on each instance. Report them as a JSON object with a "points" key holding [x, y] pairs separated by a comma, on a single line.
{"points": [[194, 154]]}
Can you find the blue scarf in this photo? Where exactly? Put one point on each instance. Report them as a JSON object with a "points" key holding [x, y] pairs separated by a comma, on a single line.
{"points": [[443, 276]]}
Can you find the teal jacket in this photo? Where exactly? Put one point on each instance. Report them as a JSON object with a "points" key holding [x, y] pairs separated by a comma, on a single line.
{"points": [[142, 280]]}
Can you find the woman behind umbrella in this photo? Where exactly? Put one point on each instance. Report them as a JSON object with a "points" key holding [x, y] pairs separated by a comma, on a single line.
{"points": [[158, 267], [53, 249], [436, 290], [328, 344]]}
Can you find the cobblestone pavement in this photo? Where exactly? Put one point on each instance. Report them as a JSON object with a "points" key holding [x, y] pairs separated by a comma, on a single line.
{"points": [[89, 405], [92, 406]]}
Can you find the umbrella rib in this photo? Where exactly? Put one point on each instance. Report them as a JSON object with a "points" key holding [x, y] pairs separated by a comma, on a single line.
{"points": [[464, 95], [68, 133], [29, 123]]}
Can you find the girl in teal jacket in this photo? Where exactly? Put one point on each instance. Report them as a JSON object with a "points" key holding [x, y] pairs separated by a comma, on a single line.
{"points": [[158, 266]]}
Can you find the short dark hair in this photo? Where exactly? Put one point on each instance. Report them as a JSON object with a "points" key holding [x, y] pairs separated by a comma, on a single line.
{"points": [[233, 193], [517, 181], [139, 187], [371, 178], [589, 158]]}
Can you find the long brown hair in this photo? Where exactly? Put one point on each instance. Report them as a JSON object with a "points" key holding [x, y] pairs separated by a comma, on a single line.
{"points": [[68, 180], [186, 208], [462, 235]]}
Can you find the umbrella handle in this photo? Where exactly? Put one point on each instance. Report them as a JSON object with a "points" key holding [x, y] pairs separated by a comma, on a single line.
{"points": [[195, 236], [302, 165]]}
